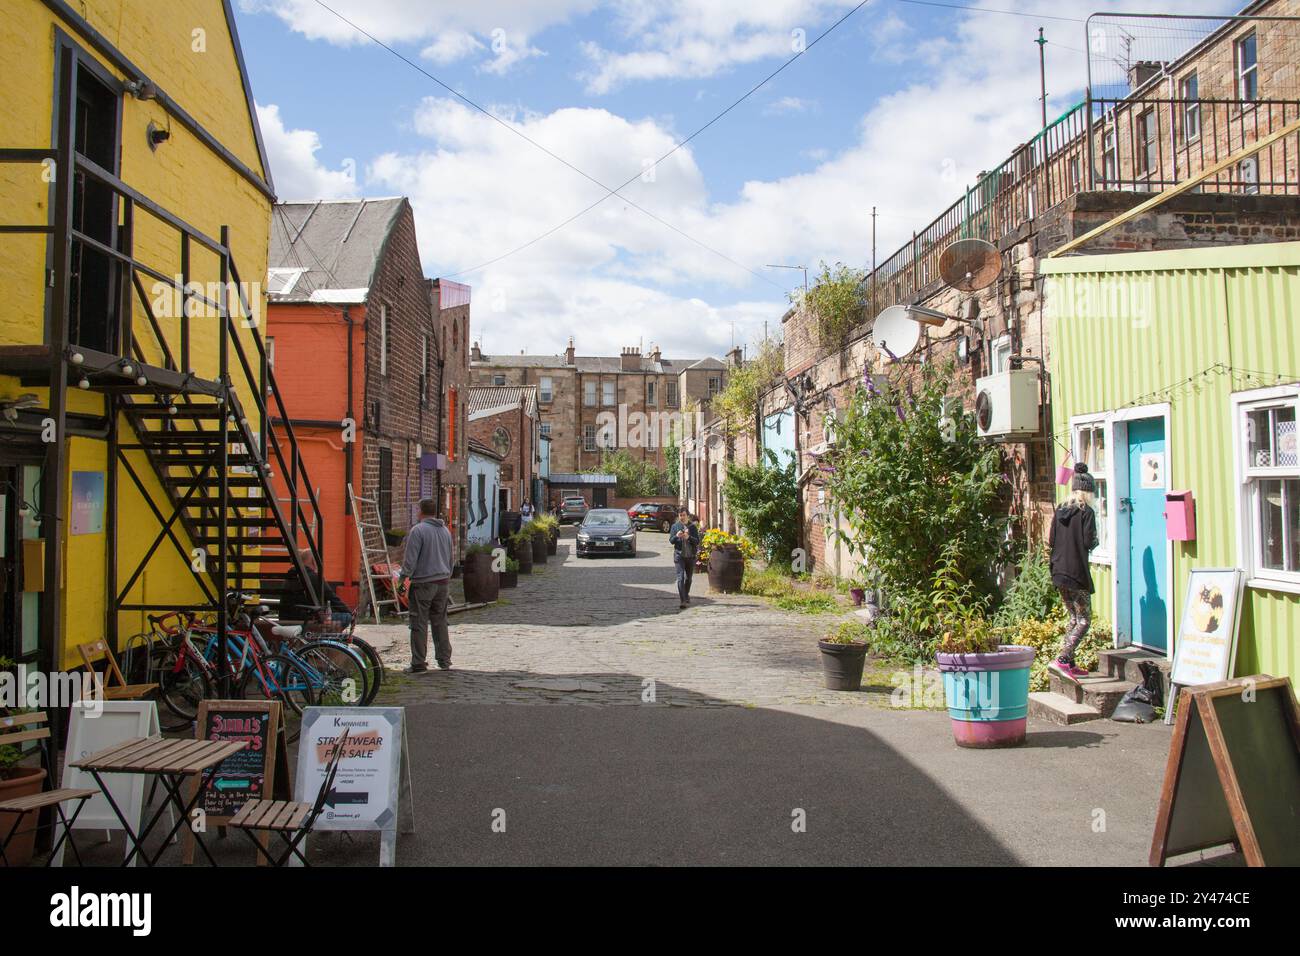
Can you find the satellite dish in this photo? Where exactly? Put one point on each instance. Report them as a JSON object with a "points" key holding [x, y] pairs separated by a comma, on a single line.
{"points": [[895, 332], [970, 264]]}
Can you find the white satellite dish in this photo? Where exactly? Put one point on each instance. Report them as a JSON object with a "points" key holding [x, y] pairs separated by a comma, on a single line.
{"points": [[895, 332]]}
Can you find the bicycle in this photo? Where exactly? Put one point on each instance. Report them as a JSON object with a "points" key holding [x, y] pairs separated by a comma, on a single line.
{"points": [[324, 627]]}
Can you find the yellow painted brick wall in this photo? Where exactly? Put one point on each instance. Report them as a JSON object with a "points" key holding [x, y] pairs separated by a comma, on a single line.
{"points": [[183, 46]]}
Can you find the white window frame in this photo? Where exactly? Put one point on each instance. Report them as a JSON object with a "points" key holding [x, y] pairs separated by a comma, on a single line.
{"points": [[499, 379], [1191, 107], [1104, 553], [1240, 72], [1245, 476], [383, 340], [651, 392], [1000, 353], [546, 389], [589, 437], [608, 393], [589, 393], [670, 398]]}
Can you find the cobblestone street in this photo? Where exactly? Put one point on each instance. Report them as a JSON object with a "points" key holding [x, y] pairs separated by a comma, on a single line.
{"points": [[595, 632]]}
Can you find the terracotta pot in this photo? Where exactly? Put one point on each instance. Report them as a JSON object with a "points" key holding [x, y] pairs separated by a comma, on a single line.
{"points": [[481, 583], [726, 569], [27, 782]]}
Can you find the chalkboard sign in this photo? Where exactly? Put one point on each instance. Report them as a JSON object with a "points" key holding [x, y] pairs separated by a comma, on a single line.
{"points": [[250, 774], [1233, 774]]}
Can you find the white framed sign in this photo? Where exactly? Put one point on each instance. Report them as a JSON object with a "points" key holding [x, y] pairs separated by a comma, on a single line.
{"points": [[373, 774], [1206, 647], [94, 726]]}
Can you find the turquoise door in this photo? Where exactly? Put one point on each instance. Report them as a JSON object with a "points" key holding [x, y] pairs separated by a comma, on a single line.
{"points": [[1145, 506]]}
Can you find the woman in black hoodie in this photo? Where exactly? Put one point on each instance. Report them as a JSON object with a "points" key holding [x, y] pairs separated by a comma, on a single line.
{"points": [[1073, 536]]}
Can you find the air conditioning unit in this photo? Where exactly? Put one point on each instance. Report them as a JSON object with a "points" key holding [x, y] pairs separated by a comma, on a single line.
{"points": [[1006, 404]]}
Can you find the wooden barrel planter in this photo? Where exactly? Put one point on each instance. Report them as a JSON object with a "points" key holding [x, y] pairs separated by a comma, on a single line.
{"points": [[522, 551], [509, 579], [481, 584], [553, 541], [726, 568], [539, 547]]}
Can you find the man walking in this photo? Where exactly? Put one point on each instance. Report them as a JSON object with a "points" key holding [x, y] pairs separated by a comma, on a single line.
{"points": [[685, 537], [427, 564]]}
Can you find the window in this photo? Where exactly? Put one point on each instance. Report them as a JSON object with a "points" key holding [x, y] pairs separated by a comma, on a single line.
{"points": [[1247, 69], [1270, 491], [1191, 107], [546, 429], [1090, 439], [607, 393], [1076, 175], [651, 398], [1248, 175], [498, 379], [424, 370], [589, 393], [588, 437], [1000, 355], [545, 391], [1109, 158], [1147, 152], [715, 385], [270, 352], [385, 496], [672, 394], [383, 340]]}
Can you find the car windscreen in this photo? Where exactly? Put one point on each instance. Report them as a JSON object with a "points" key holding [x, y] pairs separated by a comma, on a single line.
{"points": [[606, 520], [642, 506]]}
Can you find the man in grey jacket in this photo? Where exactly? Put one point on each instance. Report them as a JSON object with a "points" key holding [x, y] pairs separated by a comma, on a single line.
{"points": [[427, 565]]}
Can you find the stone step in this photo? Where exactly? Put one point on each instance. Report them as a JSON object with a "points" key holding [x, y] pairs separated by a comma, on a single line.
{"points": [[1058, 709], [1096, 690], [1121, 663]]}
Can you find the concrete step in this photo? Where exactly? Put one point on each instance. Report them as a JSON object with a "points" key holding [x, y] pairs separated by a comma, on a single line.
{"points": [[1096, 690], [1059, 709]]}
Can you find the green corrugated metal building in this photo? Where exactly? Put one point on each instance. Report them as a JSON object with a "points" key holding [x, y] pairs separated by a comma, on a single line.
{"points": [[1180, 371]]}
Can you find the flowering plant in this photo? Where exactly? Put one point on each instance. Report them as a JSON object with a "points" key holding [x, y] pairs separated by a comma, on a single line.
{"points": [[716, 537]]}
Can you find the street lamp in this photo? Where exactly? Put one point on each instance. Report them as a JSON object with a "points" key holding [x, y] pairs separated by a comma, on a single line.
{"points": [[803, 268]]}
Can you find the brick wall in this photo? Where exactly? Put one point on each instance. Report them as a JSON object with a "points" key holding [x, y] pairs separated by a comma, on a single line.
{"points": [[518, 464]]}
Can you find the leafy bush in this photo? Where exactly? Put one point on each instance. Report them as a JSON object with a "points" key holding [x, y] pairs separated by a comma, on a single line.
{"points": [[545, 522], [1032, 596], [716, 537], [836, 301], [1045, 637], [737, 403], [637, 478], [764, 497], [920, 493]]}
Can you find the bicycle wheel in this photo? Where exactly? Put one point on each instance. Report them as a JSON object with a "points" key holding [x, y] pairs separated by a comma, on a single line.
{"points": [[182, 689], [276, 677], [374, 667], [337, 672]]}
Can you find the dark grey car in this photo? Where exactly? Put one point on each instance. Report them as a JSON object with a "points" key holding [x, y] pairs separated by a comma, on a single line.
{"points": [[606, 531], [573, 509]]}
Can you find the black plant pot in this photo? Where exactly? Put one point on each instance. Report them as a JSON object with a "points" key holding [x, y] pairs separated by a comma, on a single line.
{"points": [[540, 549], [553, 542], [508, 579], [842, 665]]}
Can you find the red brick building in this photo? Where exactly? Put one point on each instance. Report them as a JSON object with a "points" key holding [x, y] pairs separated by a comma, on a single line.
{"points": [[505, 419], [355, 342]]}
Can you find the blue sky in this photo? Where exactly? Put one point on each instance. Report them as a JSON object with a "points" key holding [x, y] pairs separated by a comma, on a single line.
{"points": [[900, 107]]}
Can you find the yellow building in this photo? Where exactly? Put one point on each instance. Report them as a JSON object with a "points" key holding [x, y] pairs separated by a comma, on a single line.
{"points": [[136, 474]]}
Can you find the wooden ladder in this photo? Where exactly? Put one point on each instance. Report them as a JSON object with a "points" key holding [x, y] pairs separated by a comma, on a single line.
{"points": [[370, 534]]}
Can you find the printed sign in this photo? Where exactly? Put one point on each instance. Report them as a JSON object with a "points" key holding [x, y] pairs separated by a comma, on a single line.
{"points": [[87, 502], [1207, 633], [1153, 470], [249, 774]]}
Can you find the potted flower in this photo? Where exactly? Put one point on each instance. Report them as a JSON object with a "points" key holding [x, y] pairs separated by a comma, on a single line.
{"points": [[551, 525], [843, 654], [724, 554], [985, 684], [521, 549], [509, 578], [480, 580]]}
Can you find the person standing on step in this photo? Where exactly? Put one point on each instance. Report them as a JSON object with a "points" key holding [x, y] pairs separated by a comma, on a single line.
{"points": [[427, 564], [685, 536], [1072, 538]]}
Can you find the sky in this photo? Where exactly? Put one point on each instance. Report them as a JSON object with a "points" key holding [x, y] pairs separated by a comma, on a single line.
{"points": [[899, 107]]}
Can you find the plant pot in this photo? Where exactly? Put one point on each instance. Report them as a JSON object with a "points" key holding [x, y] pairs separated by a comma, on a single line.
{"points": [[27, 782], [508, 579], [481, 584], [553, 541], [726, 569], [540, 549], [859, 596], [842, 665], [522, 551], [987, 695]]}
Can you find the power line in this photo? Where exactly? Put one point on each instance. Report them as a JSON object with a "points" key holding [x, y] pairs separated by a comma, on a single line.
{"points": [[608, 192], [1009, 13]]}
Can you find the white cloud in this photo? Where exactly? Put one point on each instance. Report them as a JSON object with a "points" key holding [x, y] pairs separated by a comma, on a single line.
{"points": [[450, 46], [294, 167], [789, 104]]}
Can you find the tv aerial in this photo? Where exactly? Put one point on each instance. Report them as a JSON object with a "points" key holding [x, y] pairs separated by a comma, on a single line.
{"points": [[969, 265], [895, 332]]}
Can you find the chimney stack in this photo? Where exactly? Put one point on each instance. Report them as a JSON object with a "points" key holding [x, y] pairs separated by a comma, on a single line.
{"points": [[476, 353], [655, 354], [734, 356], [631, 359], [1142, 72], [568, 353]]}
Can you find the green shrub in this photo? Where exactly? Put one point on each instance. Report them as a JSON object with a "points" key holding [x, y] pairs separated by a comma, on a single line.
{"points": [[1045, 637], [807, 602], [1032, 596], [765, 500]]}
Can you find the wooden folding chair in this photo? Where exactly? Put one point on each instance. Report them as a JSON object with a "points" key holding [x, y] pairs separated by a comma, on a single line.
{"points": [[12, 732], [293, 821], [121, 690]]}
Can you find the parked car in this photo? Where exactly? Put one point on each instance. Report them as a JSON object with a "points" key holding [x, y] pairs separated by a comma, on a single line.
{"points": [[606, 531], [573, 510], [653, 517]]}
